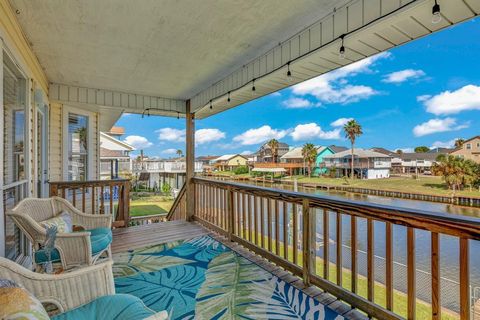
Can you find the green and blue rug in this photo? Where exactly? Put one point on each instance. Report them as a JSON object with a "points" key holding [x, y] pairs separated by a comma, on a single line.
{"points": [[202, 279]]}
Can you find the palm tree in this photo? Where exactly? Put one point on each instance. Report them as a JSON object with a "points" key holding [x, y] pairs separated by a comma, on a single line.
{"points": [[352, 130], [459, 143], [456, 172], [309, 153], [273, 144], [179, 153]]}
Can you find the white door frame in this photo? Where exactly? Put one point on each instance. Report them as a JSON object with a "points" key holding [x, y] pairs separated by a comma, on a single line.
{"points": [[42, 172]]}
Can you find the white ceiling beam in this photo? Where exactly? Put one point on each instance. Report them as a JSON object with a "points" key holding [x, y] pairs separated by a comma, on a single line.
{"points": [[121, 101]]}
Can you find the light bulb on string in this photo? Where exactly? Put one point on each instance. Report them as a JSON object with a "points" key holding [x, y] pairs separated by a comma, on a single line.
{"points": [[436, 15], [341, 52]]}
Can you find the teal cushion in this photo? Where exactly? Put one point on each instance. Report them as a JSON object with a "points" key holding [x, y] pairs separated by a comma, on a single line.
{"points": [[119, 307], [100, 239]]}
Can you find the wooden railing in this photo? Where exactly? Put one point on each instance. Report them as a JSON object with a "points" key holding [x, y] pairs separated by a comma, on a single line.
{"points": [[288, 229], [178, 211], [97, 197]]}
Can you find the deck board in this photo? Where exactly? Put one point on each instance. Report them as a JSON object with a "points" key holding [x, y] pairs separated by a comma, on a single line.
{"points": [[141, 236]]}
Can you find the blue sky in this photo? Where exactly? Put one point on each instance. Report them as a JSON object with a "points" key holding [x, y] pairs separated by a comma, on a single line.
{"points": [[426, 92]]}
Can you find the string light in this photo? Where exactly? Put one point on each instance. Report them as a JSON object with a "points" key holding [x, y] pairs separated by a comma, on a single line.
{"points": [[435, 11], [289, 73], [436, 16], [211, 107], [178, 115], [341, 52]]}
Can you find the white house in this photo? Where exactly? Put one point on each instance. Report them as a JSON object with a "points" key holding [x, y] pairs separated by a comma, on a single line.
{"points": [[367, 164]]}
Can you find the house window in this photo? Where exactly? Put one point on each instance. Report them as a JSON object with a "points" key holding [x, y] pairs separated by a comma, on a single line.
{"points": [[469, 146], [77, 147]]}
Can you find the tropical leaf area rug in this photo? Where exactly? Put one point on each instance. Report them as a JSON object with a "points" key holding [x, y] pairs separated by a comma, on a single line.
{"points": [[202, 279]]}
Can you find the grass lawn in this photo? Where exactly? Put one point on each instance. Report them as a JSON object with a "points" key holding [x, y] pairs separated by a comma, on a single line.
{"points": [[428, 185], [150, 205]]}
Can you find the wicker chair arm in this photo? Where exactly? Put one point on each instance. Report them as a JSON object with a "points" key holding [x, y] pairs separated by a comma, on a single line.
{"points": [[67, 290], [75, 249]]}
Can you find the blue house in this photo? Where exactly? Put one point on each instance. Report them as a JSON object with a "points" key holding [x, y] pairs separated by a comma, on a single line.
{"points": [[321, 152]]}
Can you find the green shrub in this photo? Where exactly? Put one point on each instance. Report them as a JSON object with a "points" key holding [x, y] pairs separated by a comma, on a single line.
{"points": [[240, 170], [166, 188]]}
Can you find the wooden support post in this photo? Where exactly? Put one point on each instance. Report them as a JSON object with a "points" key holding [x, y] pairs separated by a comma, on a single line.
{"points": [[308, 218], [190, 159]]}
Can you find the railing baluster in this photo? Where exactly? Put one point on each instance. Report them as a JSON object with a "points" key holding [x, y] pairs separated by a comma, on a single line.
{"points": [[389, 266], [74, 197], [244, 217], [94, 210], [295, 233], [370, 260], [326, 245], [239, 227], [277, 228], [231, 214], [269, 224], [102, 200], [249, 214], [353, 240], [411, 281], [64, 193], [285, 230], [339, 248], [435, 259], [262, 222], [464, 279], [84, 191], [255, 218], [111, 200]]}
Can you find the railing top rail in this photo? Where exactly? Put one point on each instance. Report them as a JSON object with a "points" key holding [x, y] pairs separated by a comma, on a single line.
{"points": [[88, 182], [443, 223]]}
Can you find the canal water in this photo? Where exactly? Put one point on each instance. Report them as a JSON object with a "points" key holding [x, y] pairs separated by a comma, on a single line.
{"points": [[449, 246]]}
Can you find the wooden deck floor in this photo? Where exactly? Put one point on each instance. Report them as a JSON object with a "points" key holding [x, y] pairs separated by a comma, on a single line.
{"points": [[157, 233]]}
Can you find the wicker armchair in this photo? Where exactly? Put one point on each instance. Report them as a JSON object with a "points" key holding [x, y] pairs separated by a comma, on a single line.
{"points": [[75, 248], [72, 290]]}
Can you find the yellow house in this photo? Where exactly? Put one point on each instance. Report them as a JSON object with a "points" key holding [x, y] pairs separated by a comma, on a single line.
{"points": [[229, 162], [470, 149]]}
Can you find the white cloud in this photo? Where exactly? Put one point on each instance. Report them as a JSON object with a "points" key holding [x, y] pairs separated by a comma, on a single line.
{"points": [[332, 87], [424, 97], [276, 94], [138, 142], [403, 75], [208, 135], [340, 122], [126, 114], [313, 131], [171, 134], [443, 144], [438, 125], [169, 151], [451, 102], [259, 135], [299, 103], [246, 152], [178, 135]]}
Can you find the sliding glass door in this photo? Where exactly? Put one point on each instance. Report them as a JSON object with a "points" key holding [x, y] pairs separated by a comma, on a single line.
{"points": [[15, 182]]}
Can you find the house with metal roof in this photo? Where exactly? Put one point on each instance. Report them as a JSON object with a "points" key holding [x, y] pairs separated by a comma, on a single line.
{"points": [[367, 164]]}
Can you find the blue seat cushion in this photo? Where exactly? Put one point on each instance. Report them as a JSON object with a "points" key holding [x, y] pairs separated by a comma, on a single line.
{"points": [[100, 239], [118, 306]]}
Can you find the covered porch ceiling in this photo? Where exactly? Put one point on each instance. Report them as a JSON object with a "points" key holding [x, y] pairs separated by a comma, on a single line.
{"points": [[126, 56]]}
